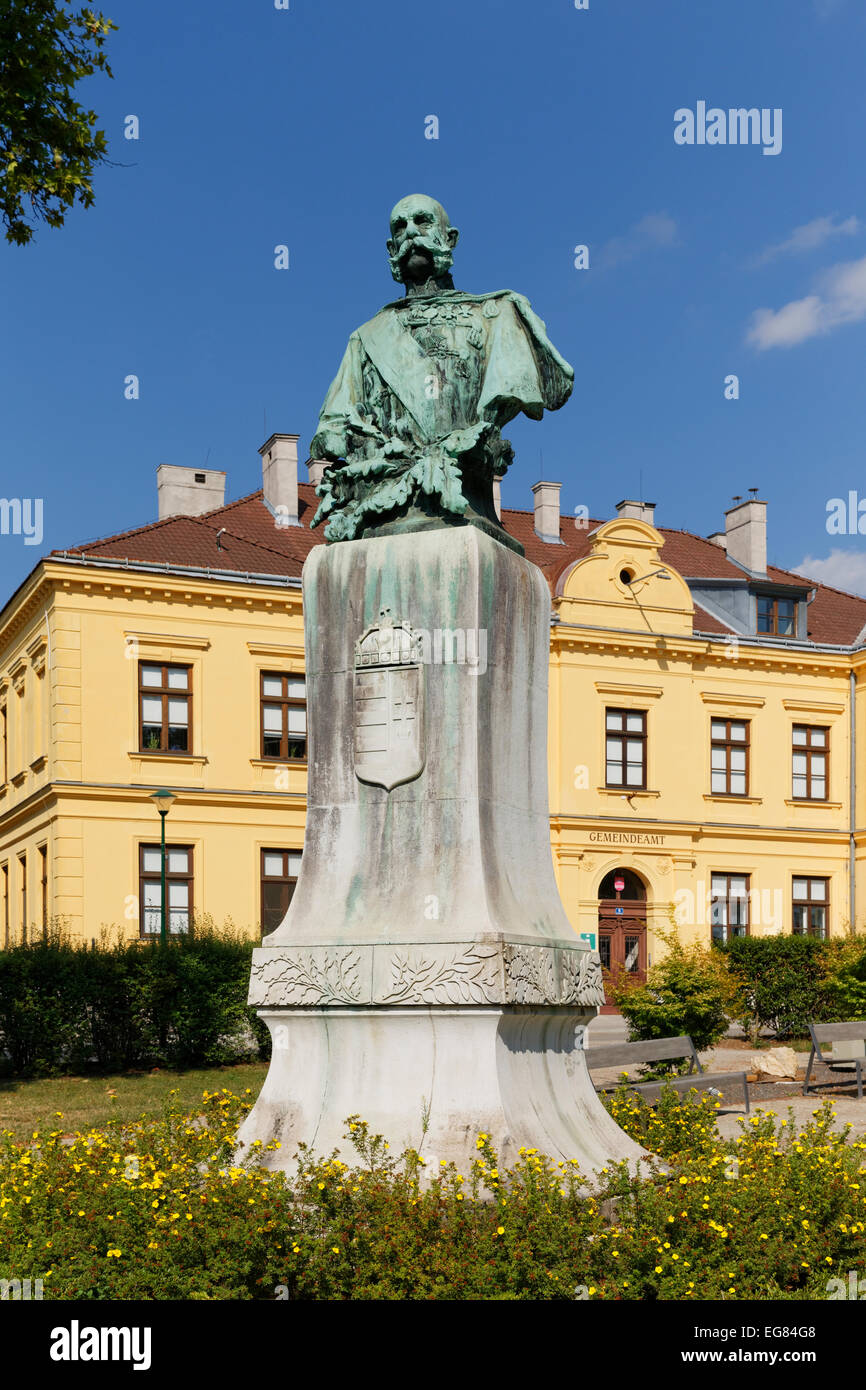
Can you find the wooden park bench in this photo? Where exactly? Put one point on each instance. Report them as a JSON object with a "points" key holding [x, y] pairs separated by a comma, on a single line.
{"points": [[663, 1049], [838, 1033]]}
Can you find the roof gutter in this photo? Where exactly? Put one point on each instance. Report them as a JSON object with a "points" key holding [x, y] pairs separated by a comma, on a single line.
{"points": [[287, 581], [697, 636]]}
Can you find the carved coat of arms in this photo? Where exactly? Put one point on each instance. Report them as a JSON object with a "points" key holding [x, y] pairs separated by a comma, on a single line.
{"points": [[389, 704]]}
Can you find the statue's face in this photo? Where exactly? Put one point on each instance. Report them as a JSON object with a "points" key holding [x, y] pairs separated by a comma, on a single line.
{"points": [[422, 240]]}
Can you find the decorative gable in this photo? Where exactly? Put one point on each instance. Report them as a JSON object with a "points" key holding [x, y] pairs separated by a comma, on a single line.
{"points": [[624, 583]]}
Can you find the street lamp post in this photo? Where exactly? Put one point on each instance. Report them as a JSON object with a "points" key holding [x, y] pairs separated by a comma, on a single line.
{"points": [[163, 801]]}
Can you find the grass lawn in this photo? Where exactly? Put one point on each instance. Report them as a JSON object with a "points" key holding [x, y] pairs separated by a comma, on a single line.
{"points": [[86, 1101]]}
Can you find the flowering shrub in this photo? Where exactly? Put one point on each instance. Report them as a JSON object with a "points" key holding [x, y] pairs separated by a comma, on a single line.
{"points": [[157, 1209], [688, 992]]}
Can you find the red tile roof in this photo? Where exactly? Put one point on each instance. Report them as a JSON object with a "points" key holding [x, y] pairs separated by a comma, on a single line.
{"points": [[251, 542]]}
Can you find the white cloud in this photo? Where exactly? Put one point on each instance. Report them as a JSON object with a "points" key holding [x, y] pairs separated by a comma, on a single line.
{"points": [[810, 236], [841, 569], [841, 299], [654, 230]]}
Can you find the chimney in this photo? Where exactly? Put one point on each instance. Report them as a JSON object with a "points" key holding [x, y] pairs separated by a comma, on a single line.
{"points": [[746, 534], [497, 494], [315, 468], [720, 539], [641, 511], [188, 491], [547, 512], [280, 477]]}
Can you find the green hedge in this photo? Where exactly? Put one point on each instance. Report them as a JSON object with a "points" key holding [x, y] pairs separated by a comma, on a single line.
{"points": [[776, 984], [783, 982], [65, 1007]]}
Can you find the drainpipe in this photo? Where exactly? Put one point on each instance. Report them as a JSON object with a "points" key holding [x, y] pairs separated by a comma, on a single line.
{"points": [[852, 796]]}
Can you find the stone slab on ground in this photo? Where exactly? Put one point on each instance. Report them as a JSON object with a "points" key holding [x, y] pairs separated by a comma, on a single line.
{"points": [[739, 1059], [774, 1062]]}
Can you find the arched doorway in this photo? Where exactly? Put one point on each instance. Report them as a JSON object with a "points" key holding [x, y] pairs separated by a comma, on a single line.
{"points": [[621, 929]]}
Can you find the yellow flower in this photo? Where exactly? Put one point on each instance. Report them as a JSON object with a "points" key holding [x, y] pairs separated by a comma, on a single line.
{"points": [[109, 1253], [500, 1230]]}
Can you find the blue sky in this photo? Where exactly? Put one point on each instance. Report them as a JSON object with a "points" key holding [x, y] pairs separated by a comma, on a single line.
{"points": [[302, 127]]}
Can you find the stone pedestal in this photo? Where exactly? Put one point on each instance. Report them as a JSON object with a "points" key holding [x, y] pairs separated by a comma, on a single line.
{"points": [[426, 966]]}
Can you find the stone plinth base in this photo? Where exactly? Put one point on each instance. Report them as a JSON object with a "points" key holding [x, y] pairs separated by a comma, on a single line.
{"points": [[432, 1079], [426, 964]]}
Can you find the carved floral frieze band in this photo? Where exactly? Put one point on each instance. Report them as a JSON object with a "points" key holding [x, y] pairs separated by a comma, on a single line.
{"points": [[430, 974]]}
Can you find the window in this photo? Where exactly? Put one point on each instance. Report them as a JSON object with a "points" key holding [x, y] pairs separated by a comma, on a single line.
{"points": [[5, 889], [729, 906], [625, 748], [284, 716], [178, 883], [729, 757], [165, 707], [22, 868], [280, 869], [809, 765], [811, 902], [43, 885], [4, 734], [776, 616]]}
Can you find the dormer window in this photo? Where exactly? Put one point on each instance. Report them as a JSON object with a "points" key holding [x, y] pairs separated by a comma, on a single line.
{"points": [[776, 616]]}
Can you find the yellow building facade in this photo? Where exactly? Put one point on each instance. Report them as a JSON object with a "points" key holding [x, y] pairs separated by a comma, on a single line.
{"points": [[768, 855], [700, 764], [80, 775]]}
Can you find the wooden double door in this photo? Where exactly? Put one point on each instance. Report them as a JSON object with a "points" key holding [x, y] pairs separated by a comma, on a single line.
{"points": [[621, 944]]}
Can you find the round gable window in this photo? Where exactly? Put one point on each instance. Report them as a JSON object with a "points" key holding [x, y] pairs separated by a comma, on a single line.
{"points": [[626, 576]]}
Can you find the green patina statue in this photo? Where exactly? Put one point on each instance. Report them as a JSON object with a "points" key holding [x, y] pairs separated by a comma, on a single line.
{"points": [[411, 425]]}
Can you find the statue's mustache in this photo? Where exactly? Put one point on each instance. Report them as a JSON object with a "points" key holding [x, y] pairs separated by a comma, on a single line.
{"points": [[429, 244]]}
